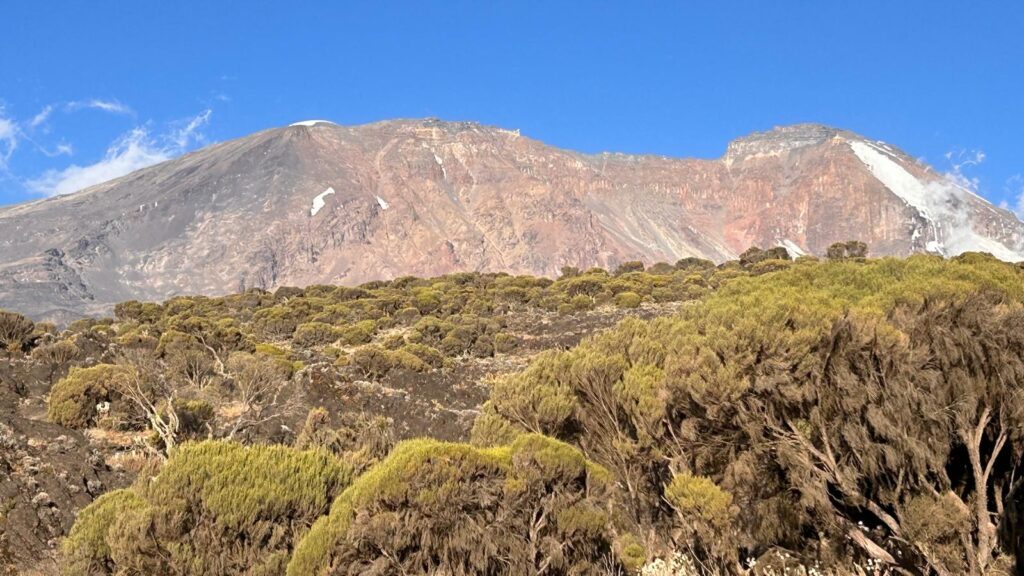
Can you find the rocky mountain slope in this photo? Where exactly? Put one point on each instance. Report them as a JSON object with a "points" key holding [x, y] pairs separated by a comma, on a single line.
{"points": [[315, 202]]}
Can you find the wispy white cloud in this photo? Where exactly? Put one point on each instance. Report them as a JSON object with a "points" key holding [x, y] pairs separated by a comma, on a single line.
{"points": [[8, 138], [60, 149], [190, 130], [111, 106], [964, 159], [137, 149], [128, 153], [41, 118]]}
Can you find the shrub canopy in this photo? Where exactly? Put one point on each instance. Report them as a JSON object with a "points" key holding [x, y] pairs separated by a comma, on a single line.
{"points": [[215, 508]]}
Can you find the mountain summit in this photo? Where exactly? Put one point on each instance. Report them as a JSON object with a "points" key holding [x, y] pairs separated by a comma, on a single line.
{"points": [[315, 202]]}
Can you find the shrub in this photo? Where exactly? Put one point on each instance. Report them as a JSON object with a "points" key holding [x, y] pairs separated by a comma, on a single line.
{"points": [[55, 356], [847, 250], [627, 267], [215, 508], [581, 303], [14, 330], [835, 386], [407, 316], [313, 334], [374, 361], [74, 398], [430, 356], [458, 341], [697, 498], [358, 333], [628, 300], [87, 551], [692, 264], [661, 269], [433, 507], [278, 322], [407, 361], [194, 416], [505, 343]]}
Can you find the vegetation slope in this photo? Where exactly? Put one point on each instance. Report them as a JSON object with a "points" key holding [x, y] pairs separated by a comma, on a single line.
{"points": [[845, 416]]}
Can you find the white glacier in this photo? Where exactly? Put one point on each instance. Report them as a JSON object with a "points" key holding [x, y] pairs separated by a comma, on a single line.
{"points": [[942, 203], [312, 123]]}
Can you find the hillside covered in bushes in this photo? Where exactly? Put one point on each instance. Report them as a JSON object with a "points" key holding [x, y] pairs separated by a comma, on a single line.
{"points": [[764, 416]]}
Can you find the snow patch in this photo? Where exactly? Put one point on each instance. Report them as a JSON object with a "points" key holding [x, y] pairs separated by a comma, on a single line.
{"points": [[893, 176], [440, 163], [382, 203], [320, 201], [943, 204], [312, 123], [793, 248]]}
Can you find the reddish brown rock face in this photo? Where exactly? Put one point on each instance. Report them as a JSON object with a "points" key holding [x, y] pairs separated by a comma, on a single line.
{"points": [[321, 203]]}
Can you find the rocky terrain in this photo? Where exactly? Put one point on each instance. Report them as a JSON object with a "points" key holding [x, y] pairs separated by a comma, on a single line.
{"points": [[318, 203]]}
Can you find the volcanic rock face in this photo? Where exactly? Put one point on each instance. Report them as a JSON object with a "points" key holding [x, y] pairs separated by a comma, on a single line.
{"points": [[320, 203]]}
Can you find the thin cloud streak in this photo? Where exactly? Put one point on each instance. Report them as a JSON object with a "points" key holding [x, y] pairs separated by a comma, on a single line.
{"points": [[132, 151], [111, 106], [8, 138]]}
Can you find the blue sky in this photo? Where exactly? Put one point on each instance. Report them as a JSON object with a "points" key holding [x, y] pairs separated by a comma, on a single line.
{"points": [[91, 89]]}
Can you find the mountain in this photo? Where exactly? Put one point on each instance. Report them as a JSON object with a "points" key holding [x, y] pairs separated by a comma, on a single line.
{"points": [[316, 202]]}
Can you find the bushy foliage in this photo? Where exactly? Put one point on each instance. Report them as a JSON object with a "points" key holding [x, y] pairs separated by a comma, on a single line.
{"points": [[313, 334], [848, 249], [536, 506], [215, 508], [74, 399], [56, 355], [814, 397], [93, 546], [14, 330]]}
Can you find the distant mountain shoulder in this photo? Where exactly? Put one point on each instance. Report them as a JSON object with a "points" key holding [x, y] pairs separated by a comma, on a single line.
{"points": [[315, 202]]}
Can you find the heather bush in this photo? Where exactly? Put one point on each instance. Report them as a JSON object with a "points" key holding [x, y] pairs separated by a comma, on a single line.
{"points": [[313, 334], [14, 331], [74, 399], [628, 300], [813, 398], [87, 549], [433, 507], [215, 508]]}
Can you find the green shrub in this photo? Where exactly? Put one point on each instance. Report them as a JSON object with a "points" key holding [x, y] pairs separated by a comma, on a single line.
{"points": [[627, 267], [14, 330], [431, 356], [74, 398], [408, 361], [276, 323], [195, 417], [358, 333], [872, 360], [87, 551], [505, 343], [699, 497], [691, 264], [313, 334], [215, 508], [373, 361], [628, 300], [468, 501], [581, 303]]}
